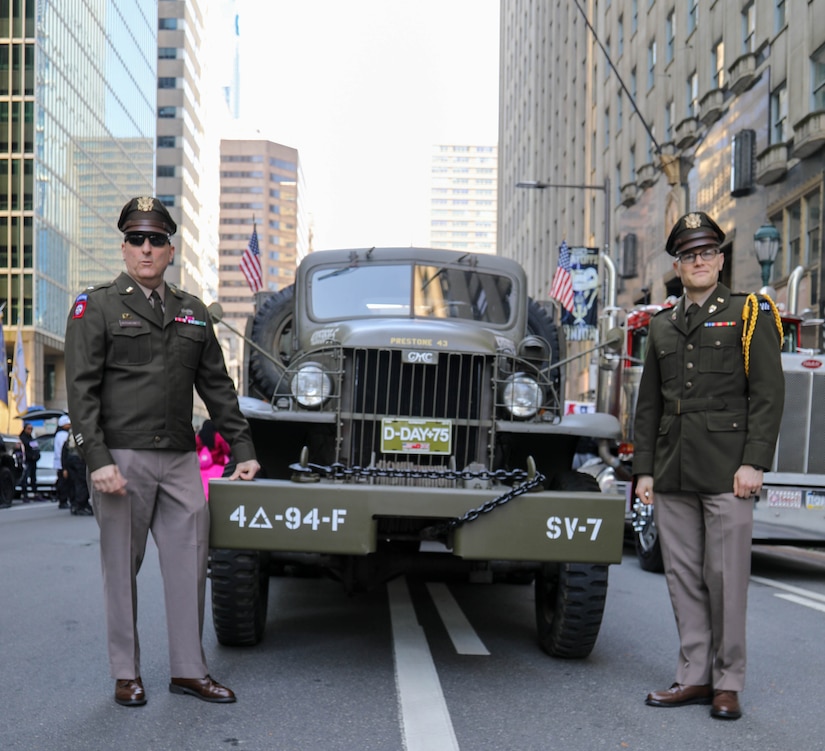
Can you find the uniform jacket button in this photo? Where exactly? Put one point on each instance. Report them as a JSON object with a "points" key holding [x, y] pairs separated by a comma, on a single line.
{"points": [[689, 365], [689, 348], [689, 385]]}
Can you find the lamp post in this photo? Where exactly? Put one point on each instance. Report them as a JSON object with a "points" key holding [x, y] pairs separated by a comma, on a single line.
{"points": [[541, 185], [765, 247]]}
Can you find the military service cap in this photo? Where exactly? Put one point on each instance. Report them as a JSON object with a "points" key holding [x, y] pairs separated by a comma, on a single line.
{"points": [[146, 214], [693, 230]]}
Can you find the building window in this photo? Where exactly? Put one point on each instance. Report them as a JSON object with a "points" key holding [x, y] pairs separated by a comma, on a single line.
{"points": [[749, 28], [633, 164], [168, 24], [167, 83], [670, 33], [692, 98], [167, 53], [166, 142], [818, 79], [780, 15], [619, 112], [167, 112], [651, 64], [634, 88], [634, 16], [692, 15], [670, 115], [620, 36], [165, 170], [718, 62], [779, 132], [606, 126]]}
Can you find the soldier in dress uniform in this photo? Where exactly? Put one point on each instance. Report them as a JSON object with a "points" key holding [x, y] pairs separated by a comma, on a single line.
{"points": [[135, 350], [709, 407]]}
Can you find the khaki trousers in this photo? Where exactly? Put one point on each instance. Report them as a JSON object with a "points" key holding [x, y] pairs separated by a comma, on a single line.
{"points": [[164, 495], [706, 547]]}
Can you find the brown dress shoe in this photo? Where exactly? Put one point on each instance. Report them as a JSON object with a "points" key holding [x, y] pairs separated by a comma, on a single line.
{"points": [[129, 692], [726, 705], [204, 688], [679, 695]]}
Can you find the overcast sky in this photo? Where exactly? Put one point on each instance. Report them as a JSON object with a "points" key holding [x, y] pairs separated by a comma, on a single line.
{"points": [[363, 89]]}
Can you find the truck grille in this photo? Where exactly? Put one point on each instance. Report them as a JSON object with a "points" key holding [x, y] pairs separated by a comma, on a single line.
{"points": [[379, 384], [801, 445]]}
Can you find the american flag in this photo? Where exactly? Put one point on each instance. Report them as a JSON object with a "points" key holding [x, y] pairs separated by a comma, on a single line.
{"points": [[562, 287], [251, 263]]}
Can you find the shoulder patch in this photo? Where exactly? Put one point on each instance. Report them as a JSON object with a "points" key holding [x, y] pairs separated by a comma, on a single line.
{"points": [[80, 305]]}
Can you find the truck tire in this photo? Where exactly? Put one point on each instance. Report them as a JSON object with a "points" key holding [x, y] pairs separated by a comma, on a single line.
{"points": [[570, 597], [240, 594], [648, 548], [539, 323], [7, 488], [272, 331]]}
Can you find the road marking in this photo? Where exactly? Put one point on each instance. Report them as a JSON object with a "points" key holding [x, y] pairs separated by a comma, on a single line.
{"points": [[425, 721], [803, 601], [464, 638], [789, 588]]}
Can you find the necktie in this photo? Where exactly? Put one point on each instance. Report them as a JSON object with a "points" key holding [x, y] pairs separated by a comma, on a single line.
{"points": [[157, 306], [690, 312]]}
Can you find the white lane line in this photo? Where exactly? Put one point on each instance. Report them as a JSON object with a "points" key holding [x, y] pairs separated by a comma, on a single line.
{"points": [[425, 721], [789, 588], [464, 638], [803, 601]]}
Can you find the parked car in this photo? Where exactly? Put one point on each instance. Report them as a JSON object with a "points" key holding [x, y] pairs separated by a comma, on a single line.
{"points": [[45, 426]]}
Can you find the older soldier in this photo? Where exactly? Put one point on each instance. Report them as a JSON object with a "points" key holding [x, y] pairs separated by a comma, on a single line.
{"points": [[707, 420], [135, 350]]}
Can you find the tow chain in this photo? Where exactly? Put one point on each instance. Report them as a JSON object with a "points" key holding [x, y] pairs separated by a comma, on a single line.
{"points": [[527, 480]]}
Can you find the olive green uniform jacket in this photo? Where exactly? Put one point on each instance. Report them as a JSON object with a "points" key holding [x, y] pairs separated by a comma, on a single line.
{"points": [[130, 380], [699, 417]]}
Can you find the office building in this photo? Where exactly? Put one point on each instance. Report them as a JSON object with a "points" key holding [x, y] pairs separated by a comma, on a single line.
{"points": [[463, 183], [261, 187], [713, 106], [78, 83]]}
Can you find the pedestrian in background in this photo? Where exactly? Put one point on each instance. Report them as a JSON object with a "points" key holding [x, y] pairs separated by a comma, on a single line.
{"points": [[62, 484], [136, 349], [707, 420], [31, 454], [77, 484]]}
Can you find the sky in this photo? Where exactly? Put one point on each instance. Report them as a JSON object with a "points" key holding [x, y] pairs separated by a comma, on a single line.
{"points": [[364, 89]]}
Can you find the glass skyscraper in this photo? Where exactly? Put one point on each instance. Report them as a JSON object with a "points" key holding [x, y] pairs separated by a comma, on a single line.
{"points": [[78, 83]]}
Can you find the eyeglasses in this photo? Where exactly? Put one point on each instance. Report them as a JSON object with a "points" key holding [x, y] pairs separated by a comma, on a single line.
{"points": [[156, 239], [708, 254]]}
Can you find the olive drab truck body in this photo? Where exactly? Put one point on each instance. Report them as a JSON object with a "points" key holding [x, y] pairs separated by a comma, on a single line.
{"points": [[407, 410]]}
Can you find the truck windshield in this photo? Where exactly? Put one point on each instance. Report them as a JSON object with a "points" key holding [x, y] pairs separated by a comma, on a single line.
{"points": [[411, 291]]}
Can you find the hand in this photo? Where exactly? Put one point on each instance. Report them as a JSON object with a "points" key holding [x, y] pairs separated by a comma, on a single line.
{"points": [[109, 480], [747, 481], [644, 488], [245, 470]]}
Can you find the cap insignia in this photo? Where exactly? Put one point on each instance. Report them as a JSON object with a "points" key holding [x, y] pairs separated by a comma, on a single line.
{"points": [[693, 221], [147, 203]]}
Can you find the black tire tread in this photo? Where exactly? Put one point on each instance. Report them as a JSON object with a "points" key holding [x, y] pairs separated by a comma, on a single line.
{"points": [[240, 586]]}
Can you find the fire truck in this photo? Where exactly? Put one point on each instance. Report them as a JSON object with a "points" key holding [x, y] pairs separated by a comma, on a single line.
{"points": [[791, 507]]}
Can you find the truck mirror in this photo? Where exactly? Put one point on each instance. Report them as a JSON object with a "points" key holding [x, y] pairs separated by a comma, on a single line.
{"points": [[215, 311]]}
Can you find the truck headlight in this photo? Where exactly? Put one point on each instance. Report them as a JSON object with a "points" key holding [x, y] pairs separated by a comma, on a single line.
{"points": [[311, 386], [522, 395]]}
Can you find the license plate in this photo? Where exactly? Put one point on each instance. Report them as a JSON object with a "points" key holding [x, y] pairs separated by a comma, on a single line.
{"points": [[412, 436]]}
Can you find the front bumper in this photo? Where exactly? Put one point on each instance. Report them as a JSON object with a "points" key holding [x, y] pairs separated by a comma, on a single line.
{"points": [[341, 519]]}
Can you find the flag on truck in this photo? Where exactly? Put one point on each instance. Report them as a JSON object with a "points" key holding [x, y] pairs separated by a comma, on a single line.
{"points": [[251, 263], [562, 287]]}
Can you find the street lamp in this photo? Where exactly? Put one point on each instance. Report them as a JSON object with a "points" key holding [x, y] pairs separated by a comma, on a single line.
{"points": [[765, 247], [541, 185]]}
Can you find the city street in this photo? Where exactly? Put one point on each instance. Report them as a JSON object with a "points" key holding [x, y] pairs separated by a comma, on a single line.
{"points": [[414, 665]]}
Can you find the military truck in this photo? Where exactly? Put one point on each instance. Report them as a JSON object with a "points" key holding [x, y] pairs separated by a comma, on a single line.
{"points": [[407, 410]]}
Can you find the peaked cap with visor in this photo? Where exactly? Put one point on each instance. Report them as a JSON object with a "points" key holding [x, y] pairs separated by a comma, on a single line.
{"points": [[694, 230], [146, 214]]}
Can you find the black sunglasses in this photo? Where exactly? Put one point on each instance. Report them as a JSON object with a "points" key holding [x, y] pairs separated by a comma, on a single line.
{"points": [[156, 239]]}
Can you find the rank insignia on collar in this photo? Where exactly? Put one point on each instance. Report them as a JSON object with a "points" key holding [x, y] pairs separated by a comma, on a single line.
{"points": [[130, 289], [712, 309], [720, 299], [125, 315]]}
